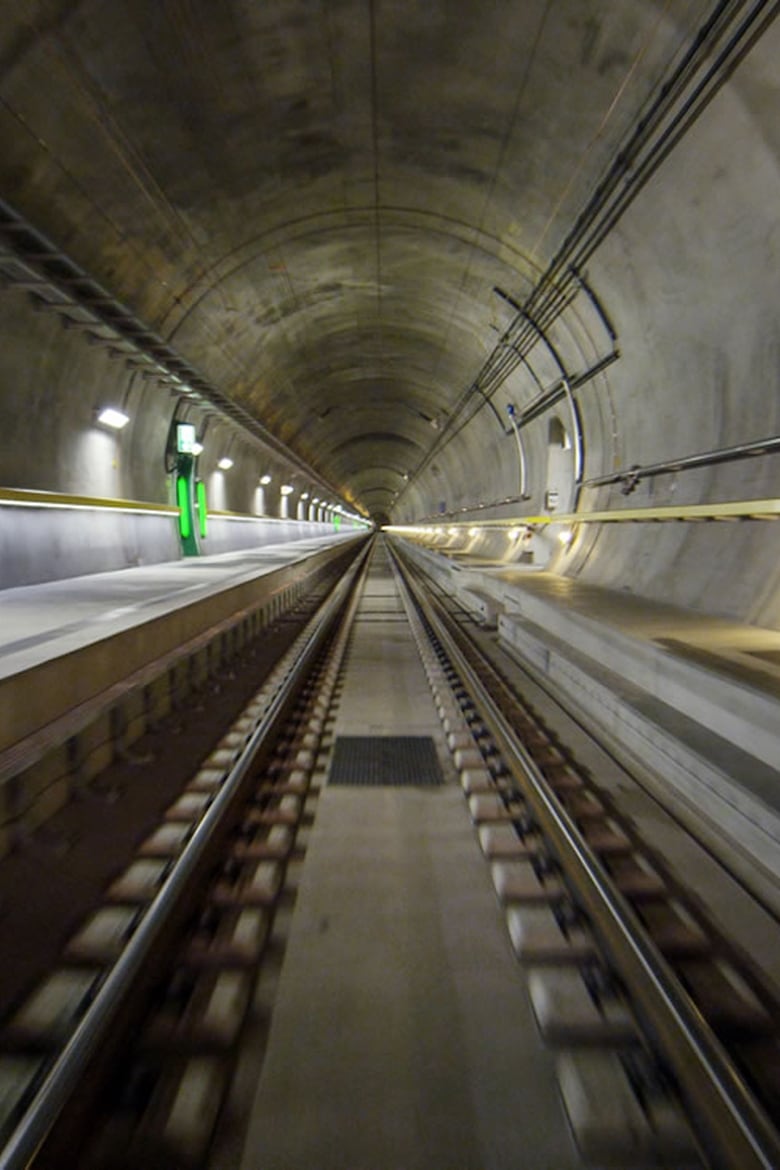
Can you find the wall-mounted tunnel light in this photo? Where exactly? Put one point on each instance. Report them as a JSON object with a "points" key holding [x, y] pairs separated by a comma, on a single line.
{"points": [[265, 480], [110, 416], [474, 531], [286, 489], [304, 495], [566, 536], [224, 463], [197, 448]]}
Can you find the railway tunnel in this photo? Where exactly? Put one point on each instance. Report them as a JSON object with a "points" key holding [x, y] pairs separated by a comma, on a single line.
{"points": [[485, 294]]}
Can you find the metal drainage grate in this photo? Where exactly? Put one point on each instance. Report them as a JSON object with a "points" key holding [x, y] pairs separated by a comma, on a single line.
{"points": [[374, 761]]}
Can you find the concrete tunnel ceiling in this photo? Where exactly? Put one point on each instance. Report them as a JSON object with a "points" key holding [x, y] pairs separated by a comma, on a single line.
{"points": [[315, 203]]}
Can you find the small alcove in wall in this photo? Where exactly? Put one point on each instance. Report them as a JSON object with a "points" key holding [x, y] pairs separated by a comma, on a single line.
{"points": [[559, 492]]}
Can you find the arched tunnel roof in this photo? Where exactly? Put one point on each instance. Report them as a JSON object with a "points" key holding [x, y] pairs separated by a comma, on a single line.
{"points": [[314, 203], [378, 225]]}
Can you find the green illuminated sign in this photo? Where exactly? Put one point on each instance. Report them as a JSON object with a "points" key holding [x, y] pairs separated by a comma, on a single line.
{"points": [[183, 501], [200, 493]]}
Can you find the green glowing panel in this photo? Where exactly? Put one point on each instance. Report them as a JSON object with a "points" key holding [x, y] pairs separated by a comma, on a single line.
{"points": [[184, 511], [200, 491]]}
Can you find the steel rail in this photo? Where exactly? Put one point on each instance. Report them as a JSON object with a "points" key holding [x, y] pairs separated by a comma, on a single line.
{"points": [[64, 1077], [739, 1135]]}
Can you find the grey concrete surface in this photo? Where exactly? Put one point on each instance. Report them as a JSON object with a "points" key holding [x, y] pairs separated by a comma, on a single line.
{"points": [[385, 691], [51, 543], [42, 622], [40, 544], [70, 644], [691, 701], [402, 1034]]}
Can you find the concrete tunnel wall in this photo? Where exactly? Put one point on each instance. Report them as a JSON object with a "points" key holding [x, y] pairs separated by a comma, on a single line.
{"points": [[689, 277], [691, 280], [53, 380]]}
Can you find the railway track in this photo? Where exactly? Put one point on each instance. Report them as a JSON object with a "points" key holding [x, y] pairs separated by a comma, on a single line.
{"points": [[624, 971], [171, 956], [127, 1049]]}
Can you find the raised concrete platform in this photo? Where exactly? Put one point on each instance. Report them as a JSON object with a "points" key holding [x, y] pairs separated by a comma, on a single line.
{"points": [[41, 622], [63, 641], [87, 663], [693, 699]]}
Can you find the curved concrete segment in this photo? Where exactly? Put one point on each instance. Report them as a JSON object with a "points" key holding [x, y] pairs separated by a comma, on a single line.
{"points": [[450, 261]]}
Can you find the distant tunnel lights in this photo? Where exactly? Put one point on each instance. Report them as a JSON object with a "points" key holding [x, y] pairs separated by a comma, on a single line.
{"points": [[286, 489], [225, 464], [265, 480], [110, 416]]}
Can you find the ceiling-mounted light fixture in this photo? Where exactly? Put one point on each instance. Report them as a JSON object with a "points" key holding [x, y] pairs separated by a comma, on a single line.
{"points": [[566, 536], [225, 464], [304, 495], [197, 448], [111, 416], [286, 489], [265, 480]]}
